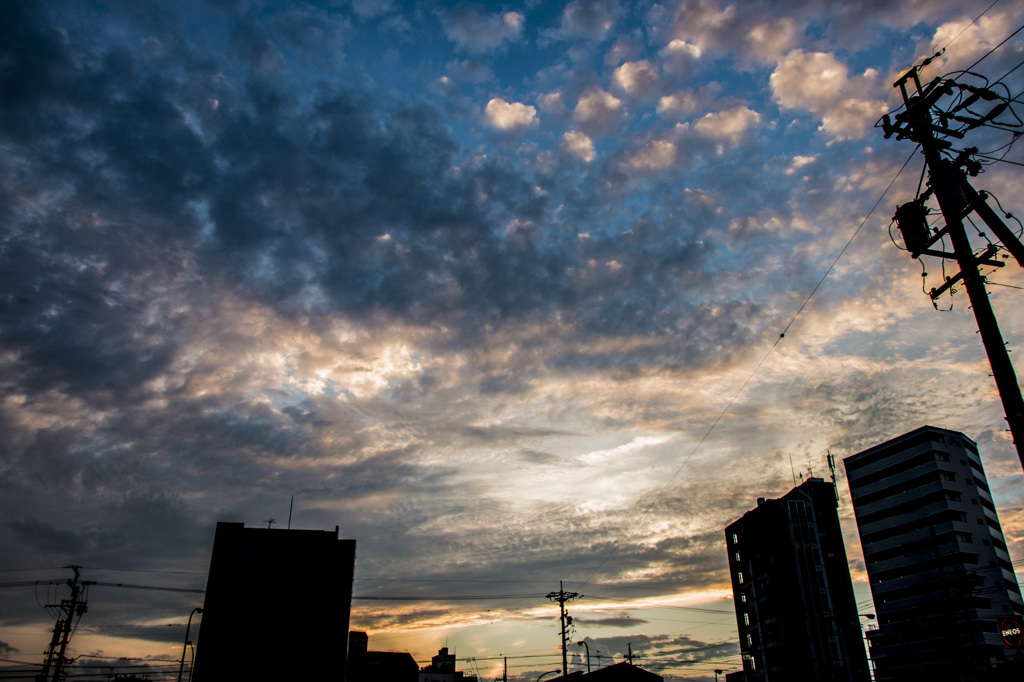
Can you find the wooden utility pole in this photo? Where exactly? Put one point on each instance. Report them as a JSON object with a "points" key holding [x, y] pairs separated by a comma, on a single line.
{"points": [[923, 122], [566, 621], [56, 653]]}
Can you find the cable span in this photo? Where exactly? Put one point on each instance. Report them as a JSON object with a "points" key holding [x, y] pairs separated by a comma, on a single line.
{"points": [[735, 397]]}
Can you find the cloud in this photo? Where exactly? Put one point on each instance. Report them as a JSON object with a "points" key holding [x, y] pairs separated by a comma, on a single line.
{"points": [[233, 273], [590, 20], [509, 116], [371, 9], [703, 23], [623, 621], [773, 39], [679, 105], [820, 83], [579, 145], [626, 48], [799, 162], [654, 156], [256, 51], [729, 125], [598, 111], [637, 79], [477, 31], [469, 71], [552, 103], [679, 56]]}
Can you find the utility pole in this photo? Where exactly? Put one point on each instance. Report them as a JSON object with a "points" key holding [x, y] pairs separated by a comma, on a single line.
{"points": [[566, 620], [629, 655], [56, 657], [923, 122]]}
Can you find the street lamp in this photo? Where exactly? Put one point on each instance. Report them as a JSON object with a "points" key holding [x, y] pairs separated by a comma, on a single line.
{"points": [[717, 673], [550, 672], [584, 644], [184, 648]]}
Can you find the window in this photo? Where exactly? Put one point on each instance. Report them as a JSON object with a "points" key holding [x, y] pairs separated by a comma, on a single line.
{"points": [[750, 640], [739, 577], [735, 538], [942, 456], [737, 555], [743, 598], [946, 476], [746, 619], [964, 537]]}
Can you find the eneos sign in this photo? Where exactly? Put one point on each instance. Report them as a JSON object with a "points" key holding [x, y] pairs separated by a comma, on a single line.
{"points": [[1013, 632]]}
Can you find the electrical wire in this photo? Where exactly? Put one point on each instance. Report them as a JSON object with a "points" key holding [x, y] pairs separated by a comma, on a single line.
{"points": [[986, 55], [736, 396]]}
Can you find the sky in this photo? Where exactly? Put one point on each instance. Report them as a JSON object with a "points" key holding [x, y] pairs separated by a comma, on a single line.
{"points": [[496, 289]]}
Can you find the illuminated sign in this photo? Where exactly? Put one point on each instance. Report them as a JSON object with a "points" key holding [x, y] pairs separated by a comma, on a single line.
{"points": [[1013, 632]]}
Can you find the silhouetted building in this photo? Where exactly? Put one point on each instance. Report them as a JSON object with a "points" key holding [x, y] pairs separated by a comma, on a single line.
{"points": [[795, 608], [936, 557], [619, 672], [442, 669], [277, 605], [378, 666]]}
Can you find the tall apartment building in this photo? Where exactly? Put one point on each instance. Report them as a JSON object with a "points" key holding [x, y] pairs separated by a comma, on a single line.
{"points": [[795, 608], [936, 557], [277, 605]]}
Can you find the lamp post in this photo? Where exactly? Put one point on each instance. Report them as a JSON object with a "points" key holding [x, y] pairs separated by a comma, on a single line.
{"points": [[717, 673], [550, 672], [584, 644], [184, 648]]}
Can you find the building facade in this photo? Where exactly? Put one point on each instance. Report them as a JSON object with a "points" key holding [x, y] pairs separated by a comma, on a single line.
{"points": [[795, 608], [941, 577], [277, 605]]}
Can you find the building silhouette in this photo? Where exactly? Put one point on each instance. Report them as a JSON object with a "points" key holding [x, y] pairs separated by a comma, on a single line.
{"points": [[377, 666], [618, 672], [277, 605], [795, 608], [442, 669], [936, 557]]}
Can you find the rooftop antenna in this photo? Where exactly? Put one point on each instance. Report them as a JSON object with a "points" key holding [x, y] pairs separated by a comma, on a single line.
{"points": [[792, 468], [292, 506], [832, 468], [270, 522]]}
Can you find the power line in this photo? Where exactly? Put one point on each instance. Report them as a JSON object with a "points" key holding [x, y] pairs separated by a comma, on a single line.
{"points": [[973, 22], [735, 397], [449, 597], [1005, 40]]}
